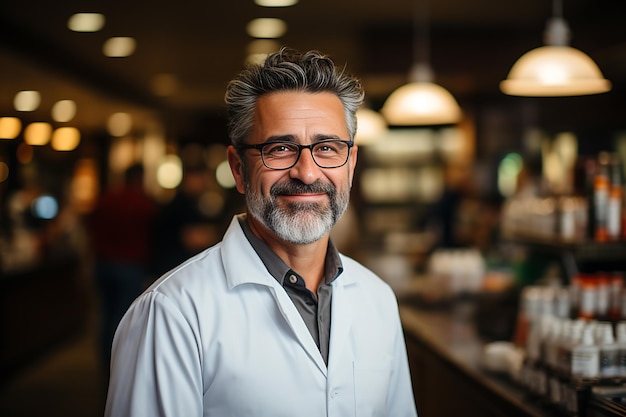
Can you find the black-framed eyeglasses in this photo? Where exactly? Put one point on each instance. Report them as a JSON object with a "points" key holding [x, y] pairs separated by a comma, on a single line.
{"points": [[330, 153]]}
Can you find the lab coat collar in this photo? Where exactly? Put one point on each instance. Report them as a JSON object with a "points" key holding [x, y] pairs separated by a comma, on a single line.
{"points": [[240, 259], [241, 263]]}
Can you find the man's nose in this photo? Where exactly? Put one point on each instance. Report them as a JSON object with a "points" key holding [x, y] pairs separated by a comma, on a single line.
{"points": [[306, 170]]}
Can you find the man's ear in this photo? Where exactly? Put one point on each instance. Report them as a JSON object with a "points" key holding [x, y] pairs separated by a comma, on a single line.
{"points": [[236, 167]]}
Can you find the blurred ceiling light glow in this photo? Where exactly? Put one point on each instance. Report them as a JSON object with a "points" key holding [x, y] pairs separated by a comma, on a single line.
{"points": [[65, 139], [266, 28], [170, 172], [27, 100], [37, 133], [86, 22], [119, 124], [122, 154], [224, 175], [63, 111], [84, 186], [164, 85], [275, 3], [10, 127], [119, 47]]}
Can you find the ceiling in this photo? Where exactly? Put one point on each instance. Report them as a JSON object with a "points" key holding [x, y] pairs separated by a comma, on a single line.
{"points": [[203, 44]]}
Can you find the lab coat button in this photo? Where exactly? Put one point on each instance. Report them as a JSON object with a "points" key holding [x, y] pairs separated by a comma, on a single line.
{"points": [[333, 394], [293, 279]]}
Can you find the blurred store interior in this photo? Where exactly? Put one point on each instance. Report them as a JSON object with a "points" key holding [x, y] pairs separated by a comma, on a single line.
{"points": [[488, 219]]}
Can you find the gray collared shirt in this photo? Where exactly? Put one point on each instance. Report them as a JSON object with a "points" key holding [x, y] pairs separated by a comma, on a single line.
{"points": [[315, 311]]}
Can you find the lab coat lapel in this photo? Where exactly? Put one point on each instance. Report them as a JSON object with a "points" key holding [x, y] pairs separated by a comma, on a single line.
{"points": [[293, 318], [341, 321]]}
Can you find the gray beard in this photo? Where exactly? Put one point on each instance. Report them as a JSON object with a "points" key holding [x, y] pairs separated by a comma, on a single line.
{"points": [[298, 223]]}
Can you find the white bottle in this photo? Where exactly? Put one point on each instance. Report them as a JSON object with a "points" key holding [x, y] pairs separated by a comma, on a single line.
{"points": [[621, 342], [586, 357], [609, 352]]}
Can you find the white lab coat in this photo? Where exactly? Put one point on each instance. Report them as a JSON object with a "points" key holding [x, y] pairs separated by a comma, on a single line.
{"points": [[218, 336]]}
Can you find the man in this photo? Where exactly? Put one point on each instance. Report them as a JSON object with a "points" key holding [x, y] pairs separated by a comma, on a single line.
{"points": [[272, 321]]}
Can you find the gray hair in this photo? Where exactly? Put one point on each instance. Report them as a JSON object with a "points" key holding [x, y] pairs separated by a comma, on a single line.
{"points": [[289, 70]]}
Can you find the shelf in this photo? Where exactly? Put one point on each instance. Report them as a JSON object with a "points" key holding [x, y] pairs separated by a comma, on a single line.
{"points": [[587, 256]]}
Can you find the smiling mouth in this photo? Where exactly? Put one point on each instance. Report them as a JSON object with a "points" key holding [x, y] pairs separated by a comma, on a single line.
{"points": [[304, 196]]}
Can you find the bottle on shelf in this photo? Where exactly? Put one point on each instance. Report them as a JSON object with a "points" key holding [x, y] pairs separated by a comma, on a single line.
{"points": [[586, 356], [608, 352], [601, 187], [615, 199]]}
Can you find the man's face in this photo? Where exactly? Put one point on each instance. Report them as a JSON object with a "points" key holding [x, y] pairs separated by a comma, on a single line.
{"points": [[301, 204]]}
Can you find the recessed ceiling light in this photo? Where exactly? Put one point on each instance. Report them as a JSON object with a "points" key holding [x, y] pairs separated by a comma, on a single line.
{"points": [[37, 133], [65, 139], [86, 22], [275, 3], [63, 111], [27, 100], [119, 124], [10, 127], [119, 47], [266, 27]]}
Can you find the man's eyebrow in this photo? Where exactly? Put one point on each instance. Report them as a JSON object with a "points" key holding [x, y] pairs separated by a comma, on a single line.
{"points": [[321, 137], [292, 138], [281, 138]]}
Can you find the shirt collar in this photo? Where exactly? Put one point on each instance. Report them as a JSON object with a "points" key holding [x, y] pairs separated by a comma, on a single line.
{"points": [[278, 268]]}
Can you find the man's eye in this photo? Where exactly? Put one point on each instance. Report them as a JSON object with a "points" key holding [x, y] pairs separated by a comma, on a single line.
{"points": [[279, 148], [326, 148]]}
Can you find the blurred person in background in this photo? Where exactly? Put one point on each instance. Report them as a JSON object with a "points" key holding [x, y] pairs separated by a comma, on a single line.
{"points": [[182, 227], [273, 320], [121, 230]]}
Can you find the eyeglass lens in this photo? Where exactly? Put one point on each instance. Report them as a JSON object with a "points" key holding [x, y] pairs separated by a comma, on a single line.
{"points": [[327, 154]]}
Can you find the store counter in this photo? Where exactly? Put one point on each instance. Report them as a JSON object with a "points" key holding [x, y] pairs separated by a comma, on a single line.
{"points": [[445, 353]]}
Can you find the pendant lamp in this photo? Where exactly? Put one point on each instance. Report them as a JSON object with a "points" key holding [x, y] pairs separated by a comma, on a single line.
{"points": [[372, 127], [421, 101], [555, 69]]}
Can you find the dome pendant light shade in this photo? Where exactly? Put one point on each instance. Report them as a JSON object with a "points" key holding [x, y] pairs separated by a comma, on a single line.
{"points": [[555, 70], [421, 102]]}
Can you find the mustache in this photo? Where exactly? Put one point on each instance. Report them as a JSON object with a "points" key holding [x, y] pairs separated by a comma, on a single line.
{"points": [[298, 187]]}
